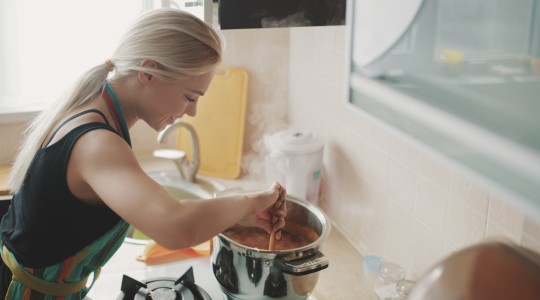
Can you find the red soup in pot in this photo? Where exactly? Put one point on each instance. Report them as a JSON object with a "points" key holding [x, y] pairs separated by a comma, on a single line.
{"points": [[292, 236]]}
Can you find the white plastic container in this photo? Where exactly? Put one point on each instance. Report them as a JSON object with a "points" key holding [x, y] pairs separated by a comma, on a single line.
{"points": [[294, 159]]}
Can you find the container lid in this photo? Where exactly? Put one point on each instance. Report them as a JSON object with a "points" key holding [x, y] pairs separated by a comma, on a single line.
{"points": [[292, 141], [372, 265]]}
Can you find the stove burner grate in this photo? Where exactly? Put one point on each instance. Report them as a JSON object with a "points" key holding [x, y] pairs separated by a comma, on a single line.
{"points": [[163, 288]]}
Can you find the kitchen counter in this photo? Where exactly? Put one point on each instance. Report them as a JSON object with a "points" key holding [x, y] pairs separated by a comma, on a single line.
{"points": [[343, 279]]}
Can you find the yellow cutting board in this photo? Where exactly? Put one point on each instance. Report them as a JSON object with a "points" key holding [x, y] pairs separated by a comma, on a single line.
{"points": [[219, 124]]}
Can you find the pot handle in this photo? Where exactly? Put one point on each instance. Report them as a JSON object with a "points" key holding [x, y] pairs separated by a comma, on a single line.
{"points": [[302, 266]]}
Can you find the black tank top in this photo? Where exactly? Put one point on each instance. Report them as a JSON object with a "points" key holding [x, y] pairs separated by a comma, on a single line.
{"points": [[46, 223]]}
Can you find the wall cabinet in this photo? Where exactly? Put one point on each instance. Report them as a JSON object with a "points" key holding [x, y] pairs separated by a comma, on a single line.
{"points": [[461, 76]]}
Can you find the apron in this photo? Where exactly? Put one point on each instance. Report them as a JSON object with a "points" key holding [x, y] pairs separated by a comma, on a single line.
{"points": [[68, 279]]}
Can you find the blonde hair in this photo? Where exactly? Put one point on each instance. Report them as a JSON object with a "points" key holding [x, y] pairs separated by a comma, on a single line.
{"points": [[180, 44]]}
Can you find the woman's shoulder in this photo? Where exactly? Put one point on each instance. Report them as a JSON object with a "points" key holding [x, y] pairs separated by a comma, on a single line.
{"points": [[75, 120]]}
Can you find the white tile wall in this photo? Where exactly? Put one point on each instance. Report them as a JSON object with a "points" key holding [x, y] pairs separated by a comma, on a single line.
{"points": [[265, 56], [386, 193]]}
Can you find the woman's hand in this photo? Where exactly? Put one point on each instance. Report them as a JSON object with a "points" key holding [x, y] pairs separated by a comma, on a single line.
{"points": [[268, 209]]}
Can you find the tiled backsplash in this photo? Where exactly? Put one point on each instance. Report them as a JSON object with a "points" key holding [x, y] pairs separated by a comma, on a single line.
{"points": [[388, 194]]}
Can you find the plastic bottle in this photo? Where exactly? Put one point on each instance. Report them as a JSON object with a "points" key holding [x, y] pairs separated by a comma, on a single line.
{"points": [[390, 275]]}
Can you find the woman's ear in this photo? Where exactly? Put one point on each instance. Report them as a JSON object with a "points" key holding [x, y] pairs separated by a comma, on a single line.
{"points": [[144, 77]]}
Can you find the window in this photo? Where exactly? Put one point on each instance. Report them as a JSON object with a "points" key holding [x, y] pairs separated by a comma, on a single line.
{"points": [[47, 45]]}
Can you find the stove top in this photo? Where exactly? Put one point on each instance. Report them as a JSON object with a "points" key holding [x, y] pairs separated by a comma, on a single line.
{"points": [[163, 288], [123, 263]]}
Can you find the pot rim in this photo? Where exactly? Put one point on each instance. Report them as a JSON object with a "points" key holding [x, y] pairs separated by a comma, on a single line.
{"points": [[326, 227]]}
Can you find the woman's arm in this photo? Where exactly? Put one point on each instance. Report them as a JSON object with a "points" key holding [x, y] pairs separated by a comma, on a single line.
{"points": [[106, 164]]}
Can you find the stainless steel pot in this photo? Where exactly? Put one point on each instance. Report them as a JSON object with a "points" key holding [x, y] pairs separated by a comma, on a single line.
{"points": [[491, 270], [248, 273]]}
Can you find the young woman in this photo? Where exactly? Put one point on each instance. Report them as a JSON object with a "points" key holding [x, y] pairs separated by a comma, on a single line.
{"points": [[77, 184]]}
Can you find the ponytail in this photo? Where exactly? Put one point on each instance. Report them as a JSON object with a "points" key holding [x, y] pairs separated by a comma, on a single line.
{"points": [[88, 85]]}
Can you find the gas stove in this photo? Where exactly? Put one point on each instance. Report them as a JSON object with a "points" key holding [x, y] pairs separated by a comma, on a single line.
{"points": [[166, 288], [125, 278]]}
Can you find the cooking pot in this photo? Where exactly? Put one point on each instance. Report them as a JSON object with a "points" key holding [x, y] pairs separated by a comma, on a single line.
{"points": [[245, 272], [491, 270]]}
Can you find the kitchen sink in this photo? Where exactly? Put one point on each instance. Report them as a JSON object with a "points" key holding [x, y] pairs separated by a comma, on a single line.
{"points": [[203, 188]]}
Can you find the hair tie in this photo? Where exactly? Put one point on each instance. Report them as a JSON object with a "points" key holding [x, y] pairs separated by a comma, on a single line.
{"points": [[109, 65]]}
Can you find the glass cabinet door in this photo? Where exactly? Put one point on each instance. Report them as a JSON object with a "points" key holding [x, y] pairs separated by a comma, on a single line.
{"points": [[463, 77]]}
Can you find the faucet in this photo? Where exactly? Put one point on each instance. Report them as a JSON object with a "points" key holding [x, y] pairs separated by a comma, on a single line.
{"points": [[188, 169]]}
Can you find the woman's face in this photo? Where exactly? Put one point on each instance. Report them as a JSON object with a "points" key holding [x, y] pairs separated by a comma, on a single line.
{"points": [[168, 100]]}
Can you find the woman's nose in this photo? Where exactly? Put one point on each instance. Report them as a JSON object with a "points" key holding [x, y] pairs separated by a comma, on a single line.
{"points": [[192, 109]]}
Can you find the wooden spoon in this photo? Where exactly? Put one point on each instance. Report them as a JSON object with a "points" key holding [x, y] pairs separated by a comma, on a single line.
{"points": [[272, 239], [277, 206]]}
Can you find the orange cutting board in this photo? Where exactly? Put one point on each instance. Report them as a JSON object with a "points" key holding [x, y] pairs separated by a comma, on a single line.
{"points": [[219, 124]]}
